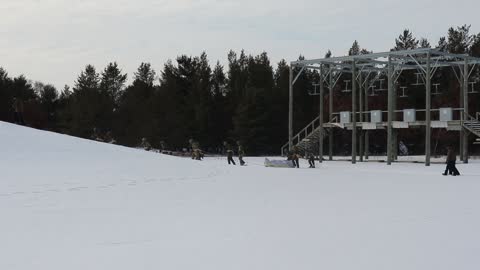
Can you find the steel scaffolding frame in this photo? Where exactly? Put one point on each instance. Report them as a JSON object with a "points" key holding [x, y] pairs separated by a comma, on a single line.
{"points": [[425, 61]]}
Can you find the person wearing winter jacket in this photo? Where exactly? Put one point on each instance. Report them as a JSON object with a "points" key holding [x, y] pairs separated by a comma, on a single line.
{"points": [[229, 151], [451, 160]]}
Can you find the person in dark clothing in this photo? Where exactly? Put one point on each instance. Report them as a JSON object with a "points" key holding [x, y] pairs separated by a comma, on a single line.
{"points": [[229, 154], [451, 159], [241, 153], [296, 157], [18, 111], [311, 160]]}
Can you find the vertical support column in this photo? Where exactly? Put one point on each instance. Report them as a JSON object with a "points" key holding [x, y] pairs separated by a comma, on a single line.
{"points": [[367, 143], [465, 110], [390, 112], [290, 109], [330, 112], [395, 132], [461, 117], [428, 115], [354, 113], [320, 136], [360, 79]]}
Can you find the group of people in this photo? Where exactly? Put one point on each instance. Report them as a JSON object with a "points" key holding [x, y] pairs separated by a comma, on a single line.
{"points": [[294, 156], [230, 153]]}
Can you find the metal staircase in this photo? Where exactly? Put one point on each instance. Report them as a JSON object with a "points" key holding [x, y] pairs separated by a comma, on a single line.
{"points": [[472, 124], [307, 140]]}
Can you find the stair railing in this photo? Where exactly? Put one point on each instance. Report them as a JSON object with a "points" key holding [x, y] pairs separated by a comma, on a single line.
{"points": [[468, 117], [305, 132]]}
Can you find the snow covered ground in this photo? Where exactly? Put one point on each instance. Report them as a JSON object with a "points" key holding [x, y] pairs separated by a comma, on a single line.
{"points": [[67, 203]]}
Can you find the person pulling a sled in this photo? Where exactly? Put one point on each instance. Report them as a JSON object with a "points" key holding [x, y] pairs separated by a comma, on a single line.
{"points": [[295, 157]]}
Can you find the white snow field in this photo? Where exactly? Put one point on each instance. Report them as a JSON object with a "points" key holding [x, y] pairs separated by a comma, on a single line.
{"points": [[68, 203]]}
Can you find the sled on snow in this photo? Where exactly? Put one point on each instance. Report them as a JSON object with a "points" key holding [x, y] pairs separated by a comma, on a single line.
{"points": [[278, 163]]}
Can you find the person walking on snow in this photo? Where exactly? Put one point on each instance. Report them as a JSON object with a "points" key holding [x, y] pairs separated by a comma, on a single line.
{"points": [[296, 157], [229, 151], [451, 159], [311, 160], [241, 153]]}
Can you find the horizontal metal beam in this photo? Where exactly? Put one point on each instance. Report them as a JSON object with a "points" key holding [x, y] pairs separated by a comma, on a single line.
{"points": [[376, 58]]}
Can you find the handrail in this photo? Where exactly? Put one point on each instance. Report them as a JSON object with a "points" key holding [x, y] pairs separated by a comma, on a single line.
{"points": [[468, 117], [305, 131]]}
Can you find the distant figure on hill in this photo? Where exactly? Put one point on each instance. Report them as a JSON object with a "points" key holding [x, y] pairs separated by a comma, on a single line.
{"points": [[163, 146], [196, 152], [451, 159], [241, 153], [18, 110], [229, 151], [109, 138], [145, 144], [96, 135]]}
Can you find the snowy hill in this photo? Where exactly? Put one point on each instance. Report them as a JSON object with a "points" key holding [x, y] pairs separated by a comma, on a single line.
{"points": [[68, 203]]}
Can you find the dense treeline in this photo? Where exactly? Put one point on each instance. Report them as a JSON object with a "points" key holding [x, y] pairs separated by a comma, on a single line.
{"points": [[246, 101]]}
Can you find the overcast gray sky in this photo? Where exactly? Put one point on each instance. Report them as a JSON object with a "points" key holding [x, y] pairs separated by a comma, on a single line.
{"points": [[52, 40]]}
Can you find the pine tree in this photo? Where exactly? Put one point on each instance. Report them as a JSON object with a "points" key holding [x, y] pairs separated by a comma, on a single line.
{"points": [[145, 74], [136, 111], [6, 96], [113, 81], [86, 106], [405, 41], [424, 43], [88, 80], [355, 49], [459, 39], [475, 47], [442, 44], [328, 54]]}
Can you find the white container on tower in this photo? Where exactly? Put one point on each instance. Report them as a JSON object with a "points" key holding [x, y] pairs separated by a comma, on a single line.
{"points": [[345, 117], [446, 114], [409, 115], [375, 116]]}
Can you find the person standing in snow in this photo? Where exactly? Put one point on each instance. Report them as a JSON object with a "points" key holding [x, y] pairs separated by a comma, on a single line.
{"points": [[451, 159], [145, 144], [311, 160], [195, 146], [96, 135], [403, 148], [18, 109], [296, 157], [241, 153], [229, 151]]}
